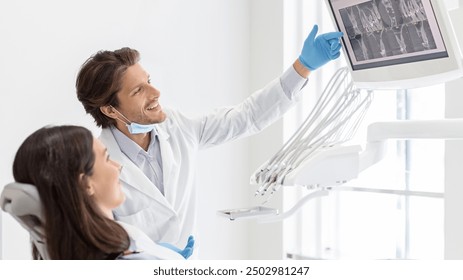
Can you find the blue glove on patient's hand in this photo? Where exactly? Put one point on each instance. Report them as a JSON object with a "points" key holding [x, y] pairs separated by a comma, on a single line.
{"points": [[321, 49], [186, 252]]}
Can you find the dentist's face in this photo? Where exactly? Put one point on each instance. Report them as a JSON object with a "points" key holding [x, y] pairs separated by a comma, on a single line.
{"points": [[138, 99]]}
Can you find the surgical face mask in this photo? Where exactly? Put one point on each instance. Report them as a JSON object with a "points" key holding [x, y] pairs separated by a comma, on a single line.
{"points": [[137, 128], [133, 127]]}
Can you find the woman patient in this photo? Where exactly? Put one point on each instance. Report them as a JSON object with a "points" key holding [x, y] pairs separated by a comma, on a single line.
{"points": [[78, 185]]}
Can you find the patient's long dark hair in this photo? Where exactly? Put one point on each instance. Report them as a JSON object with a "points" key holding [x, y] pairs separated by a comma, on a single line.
{"points": [[53, 159]]}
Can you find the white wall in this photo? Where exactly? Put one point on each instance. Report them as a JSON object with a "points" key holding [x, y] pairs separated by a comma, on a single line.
{"points": [[267, 49], [199, 58]]}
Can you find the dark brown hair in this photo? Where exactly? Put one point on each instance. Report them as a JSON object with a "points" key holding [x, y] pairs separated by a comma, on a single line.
{"points": [[53, 159], [99, 80]]}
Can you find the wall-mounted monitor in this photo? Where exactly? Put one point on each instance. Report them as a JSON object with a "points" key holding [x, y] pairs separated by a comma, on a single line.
{"points": [[397, 43]]}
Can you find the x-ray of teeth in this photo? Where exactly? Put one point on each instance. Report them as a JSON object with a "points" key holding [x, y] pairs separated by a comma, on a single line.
{"points": [[385, 28]]}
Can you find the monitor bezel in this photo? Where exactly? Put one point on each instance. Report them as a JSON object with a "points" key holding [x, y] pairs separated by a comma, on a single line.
{"points": [[420, 70]]}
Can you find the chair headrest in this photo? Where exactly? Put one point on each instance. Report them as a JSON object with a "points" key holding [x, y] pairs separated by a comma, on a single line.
{"points": [[20, 199]]}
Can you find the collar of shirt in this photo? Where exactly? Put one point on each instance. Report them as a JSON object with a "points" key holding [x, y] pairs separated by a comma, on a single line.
{"points": [[130, 148]]}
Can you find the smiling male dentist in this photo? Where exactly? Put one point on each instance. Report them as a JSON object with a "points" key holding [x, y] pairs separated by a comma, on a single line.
{"points": [[157, 146]]}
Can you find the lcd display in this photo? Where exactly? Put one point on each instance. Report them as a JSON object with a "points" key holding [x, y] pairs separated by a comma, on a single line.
{"points": [[388, 32]]}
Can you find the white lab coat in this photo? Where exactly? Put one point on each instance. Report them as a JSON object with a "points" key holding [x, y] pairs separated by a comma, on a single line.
{"points": [[171, 218]]}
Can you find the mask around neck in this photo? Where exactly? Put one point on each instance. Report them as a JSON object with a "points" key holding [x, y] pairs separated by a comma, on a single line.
{"points": [[136, 128]]}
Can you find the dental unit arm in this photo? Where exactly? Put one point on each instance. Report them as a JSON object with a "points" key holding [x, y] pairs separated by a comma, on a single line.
{"points": [[329, 168], [333, 121], [316, 156], [350, 162], [339, 164]]}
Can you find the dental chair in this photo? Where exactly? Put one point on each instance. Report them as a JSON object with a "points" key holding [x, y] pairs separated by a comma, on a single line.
{"points": [[22, 201]]}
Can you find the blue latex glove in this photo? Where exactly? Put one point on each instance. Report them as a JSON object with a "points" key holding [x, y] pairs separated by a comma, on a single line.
{"points": [[187, 251], [318, 50]]}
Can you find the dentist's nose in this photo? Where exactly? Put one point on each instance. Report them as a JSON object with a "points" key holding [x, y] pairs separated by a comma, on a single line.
{"points": [[155, 92]]}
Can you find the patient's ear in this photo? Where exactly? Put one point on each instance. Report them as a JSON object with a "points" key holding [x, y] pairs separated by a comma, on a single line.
{"points": [[87, 184], [109, 111]]}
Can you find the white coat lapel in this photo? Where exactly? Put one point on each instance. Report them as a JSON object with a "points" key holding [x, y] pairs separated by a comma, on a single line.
{"points": [[131, 174], [167, 162]]}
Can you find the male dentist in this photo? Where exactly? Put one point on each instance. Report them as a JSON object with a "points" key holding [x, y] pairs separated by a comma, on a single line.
{"points": [[158, 146]]}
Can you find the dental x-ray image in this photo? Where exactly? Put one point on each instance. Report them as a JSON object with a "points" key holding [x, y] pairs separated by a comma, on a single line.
{"points": [[387, 28]]}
